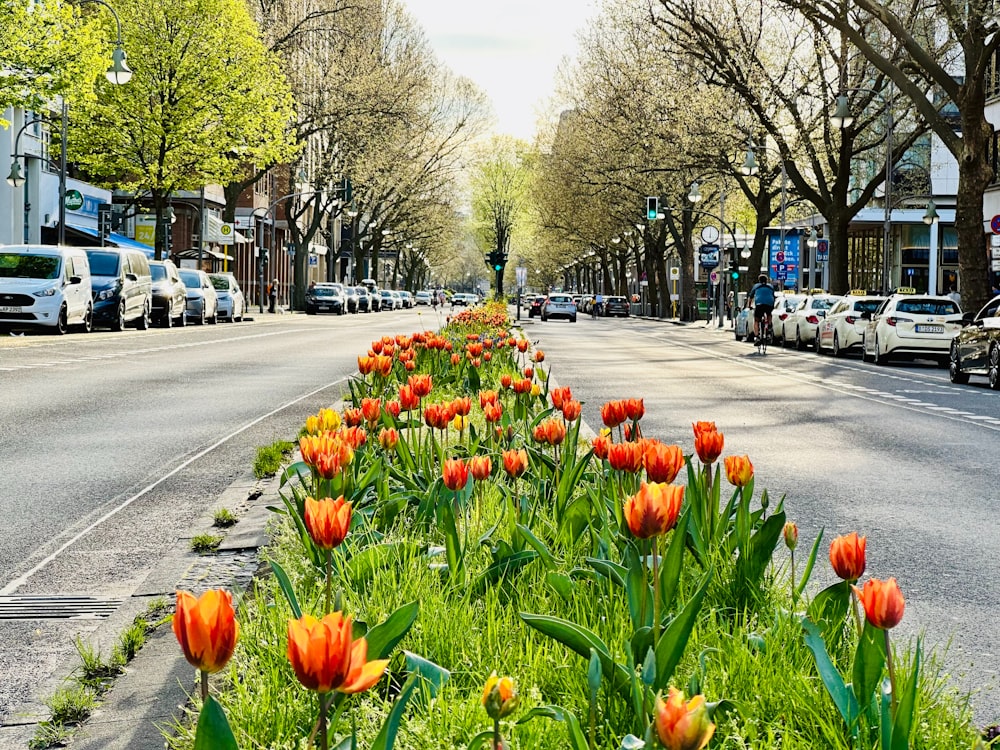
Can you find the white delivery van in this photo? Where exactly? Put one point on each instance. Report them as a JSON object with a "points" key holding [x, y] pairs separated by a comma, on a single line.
{"points": [[45, 287]]}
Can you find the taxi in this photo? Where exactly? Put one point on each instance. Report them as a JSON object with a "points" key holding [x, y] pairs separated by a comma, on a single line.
{"points": [[912, 325], [976, 349], [784, 305], [802, 323], [843, 328]]}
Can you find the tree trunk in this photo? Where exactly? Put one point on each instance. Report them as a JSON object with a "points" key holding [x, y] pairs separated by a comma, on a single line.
{"points": [[974, 176]]}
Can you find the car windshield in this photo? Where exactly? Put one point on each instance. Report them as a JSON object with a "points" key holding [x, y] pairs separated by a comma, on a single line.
{"points": [[15, 266], [191, 279], [159, 273], [616, 299], [927, 306], [103, 264], [823, 304], [560, 298], [324, 291], [867, 305], [220, 282]]}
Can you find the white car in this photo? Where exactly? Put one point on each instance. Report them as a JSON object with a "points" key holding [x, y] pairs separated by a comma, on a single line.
{"points": [[843, 328], [559, 306], [801, 325], [232, 303], [422, 297], [202, 301], [784, 304], [45, 287], [912, 325]]}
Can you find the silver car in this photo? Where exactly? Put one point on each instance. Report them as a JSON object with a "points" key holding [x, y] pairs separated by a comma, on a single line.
{"points": [[202, 301], [559, 306], [231, 302]]}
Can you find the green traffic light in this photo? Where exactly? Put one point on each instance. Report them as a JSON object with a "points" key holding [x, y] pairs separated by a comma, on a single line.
{"points": [[735, 275], [497, 266]]}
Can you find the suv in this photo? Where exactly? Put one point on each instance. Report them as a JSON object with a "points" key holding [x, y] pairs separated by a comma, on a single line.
{"points": [[169, 294], [325, 297], [45, 286], [559, 306], [616, 306], [122, 287]]}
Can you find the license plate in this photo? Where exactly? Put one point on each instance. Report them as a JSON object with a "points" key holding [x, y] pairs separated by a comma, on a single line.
{"points": [[10, 309], [930, 329], [324, 307]]}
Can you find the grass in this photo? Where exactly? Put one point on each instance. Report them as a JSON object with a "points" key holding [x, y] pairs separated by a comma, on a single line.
{"points": [[205, 543], [71, 704], [223, 519], [270, 458]]}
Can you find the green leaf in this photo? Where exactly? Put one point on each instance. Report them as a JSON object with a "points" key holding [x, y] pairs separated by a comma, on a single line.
{"points": [[537, 544], [577, 739], [286, 589], [869, 663], [843, 697], [594, 675], [675, 637], [581, 640], [365, 564], [906, 707], [673, 561], [810, 561], [502, 568], [562, 584], [434, 675], [452, 541], [483, 739], [213, 731], [829, 608], [638, 590], [610, 570], [382, 638], [387, 734]]}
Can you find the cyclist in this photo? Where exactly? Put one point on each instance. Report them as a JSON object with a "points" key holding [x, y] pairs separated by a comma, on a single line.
{"points": [[761, 298]]}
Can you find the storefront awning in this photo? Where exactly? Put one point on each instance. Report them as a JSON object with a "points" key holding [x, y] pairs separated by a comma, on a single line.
{"points": [[114, 240]]}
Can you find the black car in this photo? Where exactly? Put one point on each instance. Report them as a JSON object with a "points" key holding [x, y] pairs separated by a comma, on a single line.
{"points": [[617, 306], [351, 299], [535, 307], [976, 348], [169, 294], [364, 299], [325, 297]]}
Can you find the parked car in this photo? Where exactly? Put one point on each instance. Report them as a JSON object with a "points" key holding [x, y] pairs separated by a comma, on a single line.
{"points": [[351, 299], [364, 303], [374, 294], [122, 287], [976, 349], [387, 301], [232, 303], [616, 306], [535, 306], [912, 325], [202, 301], [45, 287], [423, 297], [843, 327], [405, 298], [801, 325], [464, 300], [559, 306], [169, 294], [743, 324], [784, 304], [326, 297]]}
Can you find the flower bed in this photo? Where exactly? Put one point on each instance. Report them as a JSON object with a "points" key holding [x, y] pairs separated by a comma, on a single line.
{"points": [[456, 567]]}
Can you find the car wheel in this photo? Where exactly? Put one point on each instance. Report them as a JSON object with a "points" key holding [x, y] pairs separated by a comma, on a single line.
{"points": [[61, 327], [799, 346], [183, 319], [118, 323], [145, 319], [836, 345], [879, 359], [88, 320], [166, 321], [573, 319], [215, 317], [993, 369], [201, 318]]}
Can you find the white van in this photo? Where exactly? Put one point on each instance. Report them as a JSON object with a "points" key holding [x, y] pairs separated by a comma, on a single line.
{"points": [[45, 287]]}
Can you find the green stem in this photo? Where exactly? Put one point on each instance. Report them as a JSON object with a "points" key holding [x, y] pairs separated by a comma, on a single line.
{"points": [[857, 615], [204, 686], [329, 580], [497, 737], [324, 740], [892, 674], [656, 595], [794, 596]]}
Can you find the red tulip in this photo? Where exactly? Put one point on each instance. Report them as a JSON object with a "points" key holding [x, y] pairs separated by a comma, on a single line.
{"points": [[634, 409], [613, 413], [662, 462], [847, 556], [571, 410], [708, 445], [559, 396], [481, 467], [325, 656], [883, 602], [455, 473], [515, 462]]}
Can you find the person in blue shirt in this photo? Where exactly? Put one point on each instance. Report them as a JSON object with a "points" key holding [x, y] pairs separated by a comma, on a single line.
{"points": [[761, 298]]}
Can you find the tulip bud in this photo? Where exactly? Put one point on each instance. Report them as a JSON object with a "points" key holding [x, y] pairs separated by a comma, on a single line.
{"points": [[499, 696], [791, 533]]}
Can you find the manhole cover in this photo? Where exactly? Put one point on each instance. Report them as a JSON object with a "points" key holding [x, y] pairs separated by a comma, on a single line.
{"points": [[56, 607]]}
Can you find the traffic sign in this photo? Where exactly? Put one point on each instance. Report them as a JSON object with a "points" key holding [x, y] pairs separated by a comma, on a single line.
{"points": [[227, 236], [822, 250], [675, 273], [995, 224], [714, 277], [708, 256]]}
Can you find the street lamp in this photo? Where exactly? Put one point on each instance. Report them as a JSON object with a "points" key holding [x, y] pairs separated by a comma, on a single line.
{"points": [[260, 239], [118, 74], [750, 168]]}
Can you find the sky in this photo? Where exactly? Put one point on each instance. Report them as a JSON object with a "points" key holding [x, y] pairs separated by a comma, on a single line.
{"points": [[509, 48]]}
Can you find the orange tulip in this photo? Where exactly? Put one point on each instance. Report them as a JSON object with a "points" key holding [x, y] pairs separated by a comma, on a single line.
{"points": [[529, 372], [654, 509], [371, 409], [488, 397], [366, 364], [522, 345], [410, 365], [475, 350], [613, 413], [680, 725], [700, 427], [353, 417], [393, 407], [421, 384], [791, 534], [352, 437], [328, 521], [492, 412], [388, 438], [455, 360], [455, 473], [515, 462], [325, 658], [551, 431], [522, 386], [883, 602], [739, 470], [437, 416], [601, 444], [708, 445], [847, 556], [539, 356], [634, 409], [625, 457], [559, 396], [506, 380], [662, 462], [377, 346], [571, 410], [383, 366], [499, 696], [462, 405], [206, 628], [481, 467]]}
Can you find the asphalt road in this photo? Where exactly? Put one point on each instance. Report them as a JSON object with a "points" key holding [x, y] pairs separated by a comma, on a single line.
{"points": [[897, 453], [111, 445]]}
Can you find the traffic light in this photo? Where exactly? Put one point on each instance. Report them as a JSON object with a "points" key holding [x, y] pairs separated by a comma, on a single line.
{"points": [[652, 208], [734, 273], [498, 260]]}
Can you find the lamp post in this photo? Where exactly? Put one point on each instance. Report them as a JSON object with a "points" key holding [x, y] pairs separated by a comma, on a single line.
{"points": [[261, 258], [843, 119], [750, 168], [694, 195], [118, 74]]}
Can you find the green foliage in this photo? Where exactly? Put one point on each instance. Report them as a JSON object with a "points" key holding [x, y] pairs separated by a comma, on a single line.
{"points": [[205, 543], [71, 704], [223, 518], [270, 458]]}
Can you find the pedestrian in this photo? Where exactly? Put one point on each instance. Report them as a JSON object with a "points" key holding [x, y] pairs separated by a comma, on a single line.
{"points": [[272, 296], [953, 294]]}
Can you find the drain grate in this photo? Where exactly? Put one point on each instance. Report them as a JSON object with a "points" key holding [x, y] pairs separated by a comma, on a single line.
{"points": [[56, 607]]}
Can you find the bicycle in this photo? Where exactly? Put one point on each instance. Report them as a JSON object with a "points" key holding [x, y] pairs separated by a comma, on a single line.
{"points": [[766, 336]]}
